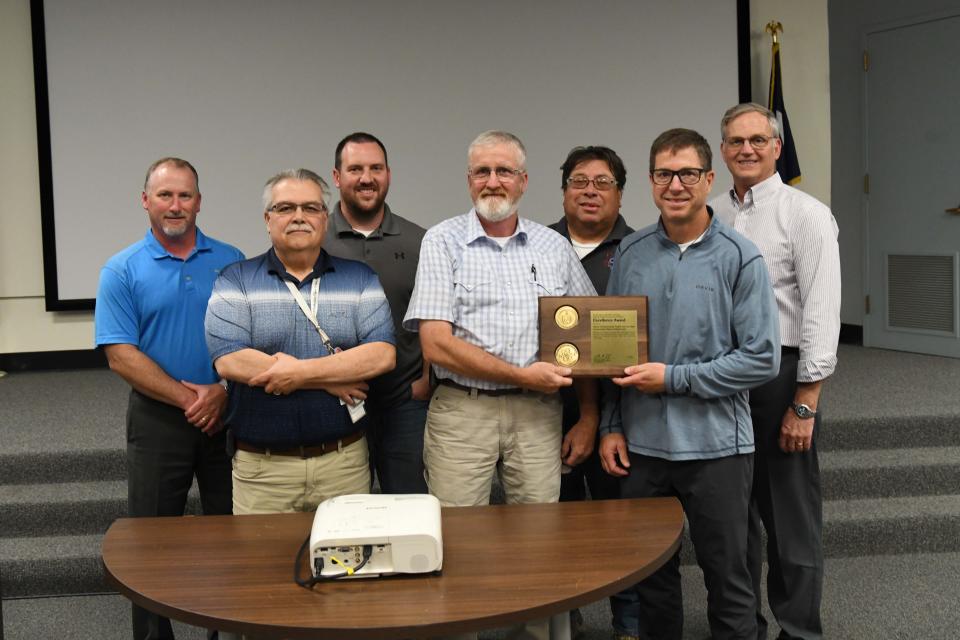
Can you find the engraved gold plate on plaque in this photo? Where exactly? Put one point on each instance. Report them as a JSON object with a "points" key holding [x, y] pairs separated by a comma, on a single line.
{"points": [[567, 354], [595, 336], [566, 317], [613, 337]]}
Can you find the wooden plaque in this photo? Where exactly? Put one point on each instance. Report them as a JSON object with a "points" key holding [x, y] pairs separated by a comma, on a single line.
{"points": [[594, 335]]}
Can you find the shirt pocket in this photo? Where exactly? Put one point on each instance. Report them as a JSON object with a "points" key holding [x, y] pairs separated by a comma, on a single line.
{"points": [[473, 295], [545, 282]]}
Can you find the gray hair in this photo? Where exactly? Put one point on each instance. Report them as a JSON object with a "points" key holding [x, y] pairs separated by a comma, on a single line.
{"points": [[179, 163], [494, 136], [303, 175], [749, 107]]}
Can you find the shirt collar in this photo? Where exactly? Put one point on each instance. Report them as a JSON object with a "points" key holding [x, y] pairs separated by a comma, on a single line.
{"points": [[475, 229], [711, 229], [763, 190], [158, 251], [321, 266], [389, 226], [617, 233]]}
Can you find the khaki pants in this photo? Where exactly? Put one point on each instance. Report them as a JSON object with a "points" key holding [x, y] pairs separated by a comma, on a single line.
{"points": [[264, 483], [470, 437]]}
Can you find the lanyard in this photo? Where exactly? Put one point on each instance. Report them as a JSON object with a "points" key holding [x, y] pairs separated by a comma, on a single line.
{"points": [[311, 311]]}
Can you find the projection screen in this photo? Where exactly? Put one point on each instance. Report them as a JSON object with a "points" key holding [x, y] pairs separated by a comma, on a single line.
{"points": [[243, 89]]}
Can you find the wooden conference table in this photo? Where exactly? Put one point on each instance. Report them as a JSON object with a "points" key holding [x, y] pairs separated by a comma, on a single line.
{"points": [[502, 564]]}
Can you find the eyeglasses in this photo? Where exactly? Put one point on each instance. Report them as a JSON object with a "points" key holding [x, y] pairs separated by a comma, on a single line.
{"points": [[504, 174], [308, 208], [687, 175], [756, 142], [600, 183]]}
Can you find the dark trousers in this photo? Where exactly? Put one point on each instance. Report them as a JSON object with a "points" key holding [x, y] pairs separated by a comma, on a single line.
{"points": [[589, 474], [395, 440], [164, 452], [715, 496], [787, 503]]}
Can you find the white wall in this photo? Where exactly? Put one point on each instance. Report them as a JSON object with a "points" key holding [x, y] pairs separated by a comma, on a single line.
{"points": [[24, 324]]}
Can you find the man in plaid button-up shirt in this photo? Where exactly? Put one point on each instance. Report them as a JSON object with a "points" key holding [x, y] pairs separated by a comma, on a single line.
{"points": [[475, 306]]}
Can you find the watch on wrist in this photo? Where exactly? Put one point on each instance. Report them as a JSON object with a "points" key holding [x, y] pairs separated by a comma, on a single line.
{"points": [[803, 411]]}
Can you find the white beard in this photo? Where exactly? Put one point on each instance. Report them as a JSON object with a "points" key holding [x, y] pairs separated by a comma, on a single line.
{"points": [[495, 209]]}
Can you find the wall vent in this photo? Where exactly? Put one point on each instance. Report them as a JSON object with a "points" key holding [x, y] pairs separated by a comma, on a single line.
{"points": [[920, 293]]}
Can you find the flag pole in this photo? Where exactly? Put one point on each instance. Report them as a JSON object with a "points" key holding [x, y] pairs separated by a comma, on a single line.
{"points": [[774, 28]]}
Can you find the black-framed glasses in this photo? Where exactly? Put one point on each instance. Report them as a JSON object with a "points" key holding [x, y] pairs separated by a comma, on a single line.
{"points": [[504, 174], [688, 175], [308, 208], [756, 142], [600, 183]]}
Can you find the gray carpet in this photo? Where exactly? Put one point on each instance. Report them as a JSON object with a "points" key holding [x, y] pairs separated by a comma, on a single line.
{"points": [[890, 456], [875, 383]]}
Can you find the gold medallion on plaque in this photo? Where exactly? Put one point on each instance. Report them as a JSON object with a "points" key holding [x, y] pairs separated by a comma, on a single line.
{"points": [[566, 317], [567, 354]]}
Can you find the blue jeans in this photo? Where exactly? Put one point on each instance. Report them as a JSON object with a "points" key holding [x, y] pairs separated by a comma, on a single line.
{"points": [[625, 607], [395, 439]]}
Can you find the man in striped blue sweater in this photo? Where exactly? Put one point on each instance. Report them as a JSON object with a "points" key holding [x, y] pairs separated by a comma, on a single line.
{"points": [[297, 332]]}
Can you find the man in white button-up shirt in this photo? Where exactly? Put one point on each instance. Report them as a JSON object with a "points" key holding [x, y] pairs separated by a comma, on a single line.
{"points": [[797, 235]]}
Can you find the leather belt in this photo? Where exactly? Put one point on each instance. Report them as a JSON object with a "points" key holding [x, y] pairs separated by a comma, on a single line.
{"points": [[302, 452], [512, 391]]}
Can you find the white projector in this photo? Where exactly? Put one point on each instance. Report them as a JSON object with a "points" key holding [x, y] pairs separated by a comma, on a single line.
{"points": [[361, 536]]}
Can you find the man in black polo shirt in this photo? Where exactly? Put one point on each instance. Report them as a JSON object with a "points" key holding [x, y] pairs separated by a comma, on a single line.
{"points": [[362, 227], [592, 179], [592, 182]]}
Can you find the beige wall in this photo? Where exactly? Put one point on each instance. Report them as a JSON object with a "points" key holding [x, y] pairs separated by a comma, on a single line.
{"points": [[24, 324], [805, 62]]}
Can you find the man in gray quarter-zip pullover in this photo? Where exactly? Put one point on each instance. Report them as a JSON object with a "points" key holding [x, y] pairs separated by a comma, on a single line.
{"points": [[680, 425]]}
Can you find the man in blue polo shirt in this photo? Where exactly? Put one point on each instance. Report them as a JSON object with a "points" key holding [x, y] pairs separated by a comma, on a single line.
{"points": [[149, 320], [297, 332]]}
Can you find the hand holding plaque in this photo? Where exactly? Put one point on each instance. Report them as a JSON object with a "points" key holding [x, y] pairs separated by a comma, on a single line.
{"points": [[594, 335]]}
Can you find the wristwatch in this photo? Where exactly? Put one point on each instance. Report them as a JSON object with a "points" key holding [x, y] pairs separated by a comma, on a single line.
{"points": [[803, 411]]}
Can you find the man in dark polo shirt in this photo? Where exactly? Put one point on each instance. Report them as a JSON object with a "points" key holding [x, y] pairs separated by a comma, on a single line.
{"points": [[592, 179], [362, 227], [297, 331]]}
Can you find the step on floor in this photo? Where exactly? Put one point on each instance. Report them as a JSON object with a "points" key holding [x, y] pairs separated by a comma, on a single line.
{"points": [[882, 473], [51, 565], [67, 508]]}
